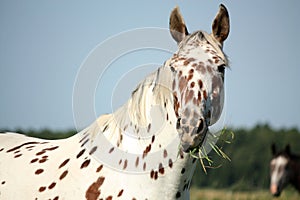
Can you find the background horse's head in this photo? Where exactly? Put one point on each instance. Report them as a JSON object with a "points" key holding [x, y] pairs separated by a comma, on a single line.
{"points": [[280, 169], [198, 66]]}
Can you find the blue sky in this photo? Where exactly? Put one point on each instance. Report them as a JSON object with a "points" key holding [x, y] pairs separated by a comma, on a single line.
{"points": [[44, 44]]}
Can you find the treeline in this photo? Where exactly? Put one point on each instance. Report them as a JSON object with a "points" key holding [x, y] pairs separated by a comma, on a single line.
{"points": [[249, 152]]}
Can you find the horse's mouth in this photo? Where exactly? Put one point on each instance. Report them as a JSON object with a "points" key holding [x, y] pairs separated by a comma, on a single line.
{"points": [[190, 143], [275, 191]]}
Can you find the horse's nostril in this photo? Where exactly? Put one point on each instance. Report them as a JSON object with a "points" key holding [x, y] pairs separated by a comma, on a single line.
{"points": [[200, 127]]}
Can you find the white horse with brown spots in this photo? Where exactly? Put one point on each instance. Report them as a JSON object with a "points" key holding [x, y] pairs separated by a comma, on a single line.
{"points": [[141, 151]]}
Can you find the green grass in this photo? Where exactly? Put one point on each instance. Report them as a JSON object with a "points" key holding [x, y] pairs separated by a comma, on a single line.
{"points": [[222, 194]]}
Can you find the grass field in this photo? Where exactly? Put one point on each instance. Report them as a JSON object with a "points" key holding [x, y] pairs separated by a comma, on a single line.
{"points": [[211, 194]]}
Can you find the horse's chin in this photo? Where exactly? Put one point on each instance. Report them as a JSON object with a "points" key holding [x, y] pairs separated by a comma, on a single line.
{"points": [[193, 143]]}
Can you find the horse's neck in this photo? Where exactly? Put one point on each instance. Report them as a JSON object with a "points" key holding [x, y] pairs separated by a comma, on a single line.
{"points": [[296, 173], [144, 132]]}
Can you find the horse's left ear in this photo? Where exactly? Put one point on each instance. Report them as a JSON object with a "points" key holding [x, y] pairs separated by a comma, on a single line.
{"points": [[288, 149], [177, 26], [221, 26], [273, 148]]}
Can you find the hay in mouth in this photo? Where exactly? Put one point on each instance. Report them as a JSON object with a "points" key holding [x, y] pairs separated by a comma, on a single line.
{"points": [[201, 152]]}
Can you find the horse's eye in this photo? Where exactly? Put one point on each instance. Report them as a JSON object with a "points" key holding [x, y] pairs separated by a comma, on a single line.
{"points": [[221, 68]]}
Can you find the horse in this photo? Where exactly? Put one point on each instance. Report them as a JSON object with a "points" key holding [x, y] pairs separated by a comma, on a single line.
{"points": [[284, 170], [143, 149]]}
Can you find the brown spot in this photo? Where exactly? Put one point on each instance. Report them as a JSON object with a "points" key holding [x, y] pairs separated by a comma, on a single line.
{"points": [[176, 104], [205, 94], [52, 185], [18, 155], [64, 163], [149, 127], [40, 153], [46, 149], [105, 127], [144, 166], [161, 169], [173, 84], [18, 147], [42, 189], [137, 161], [109, 198], [56, 198], [155, 175], [39, 171], [190, 77], [125, 127], [209, 69], [43, 160], [152, 173], [199, 96], [99, 168], [93, 150], [153, 138], [167, 117], [186, 62], [120, 193], [182, 170], [34, 160], [125, 164], [85, 142], [170, 163], [80, 153], [120, 161], [1, 149], [189, 96], [200, 83], [83, 138], [146, 151], [210, 61], [192, 84], [178, 195], [111, 150], [165, 153], [182, 83], [63, 175], [3, 182], [181, 154], [85, 164], [93, 192]]}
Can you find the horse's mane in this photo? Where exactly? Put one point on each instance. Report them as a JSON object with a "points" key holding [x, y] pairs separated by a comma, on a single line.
{"points": [[154, 90]]}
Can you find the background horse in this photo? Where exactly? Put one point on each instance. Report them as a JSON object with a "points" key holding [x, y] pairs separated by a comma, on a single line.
{"points": [[284, 169]]}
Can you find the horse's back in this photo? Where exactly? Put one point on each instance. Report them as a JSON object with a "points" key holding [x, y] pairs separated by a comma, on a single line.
{"points": [[33, 168]]}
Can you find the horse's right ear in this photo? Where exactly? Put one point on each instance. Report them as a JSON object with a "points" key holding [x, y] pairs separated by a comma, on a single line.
{"points": [[221, 26], [177, 26], [273, 148]]}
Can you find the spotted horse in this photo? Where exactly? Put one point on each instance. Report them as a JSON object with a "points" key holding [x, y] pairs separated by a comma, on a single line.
{"points": [[142, 150]]}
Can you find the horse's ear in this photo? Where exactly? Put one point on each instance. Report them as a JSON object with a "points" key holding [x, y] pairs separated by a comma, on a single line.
{"points": [[177, 26], [273, 148], [288, 149], [221, 26]]}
